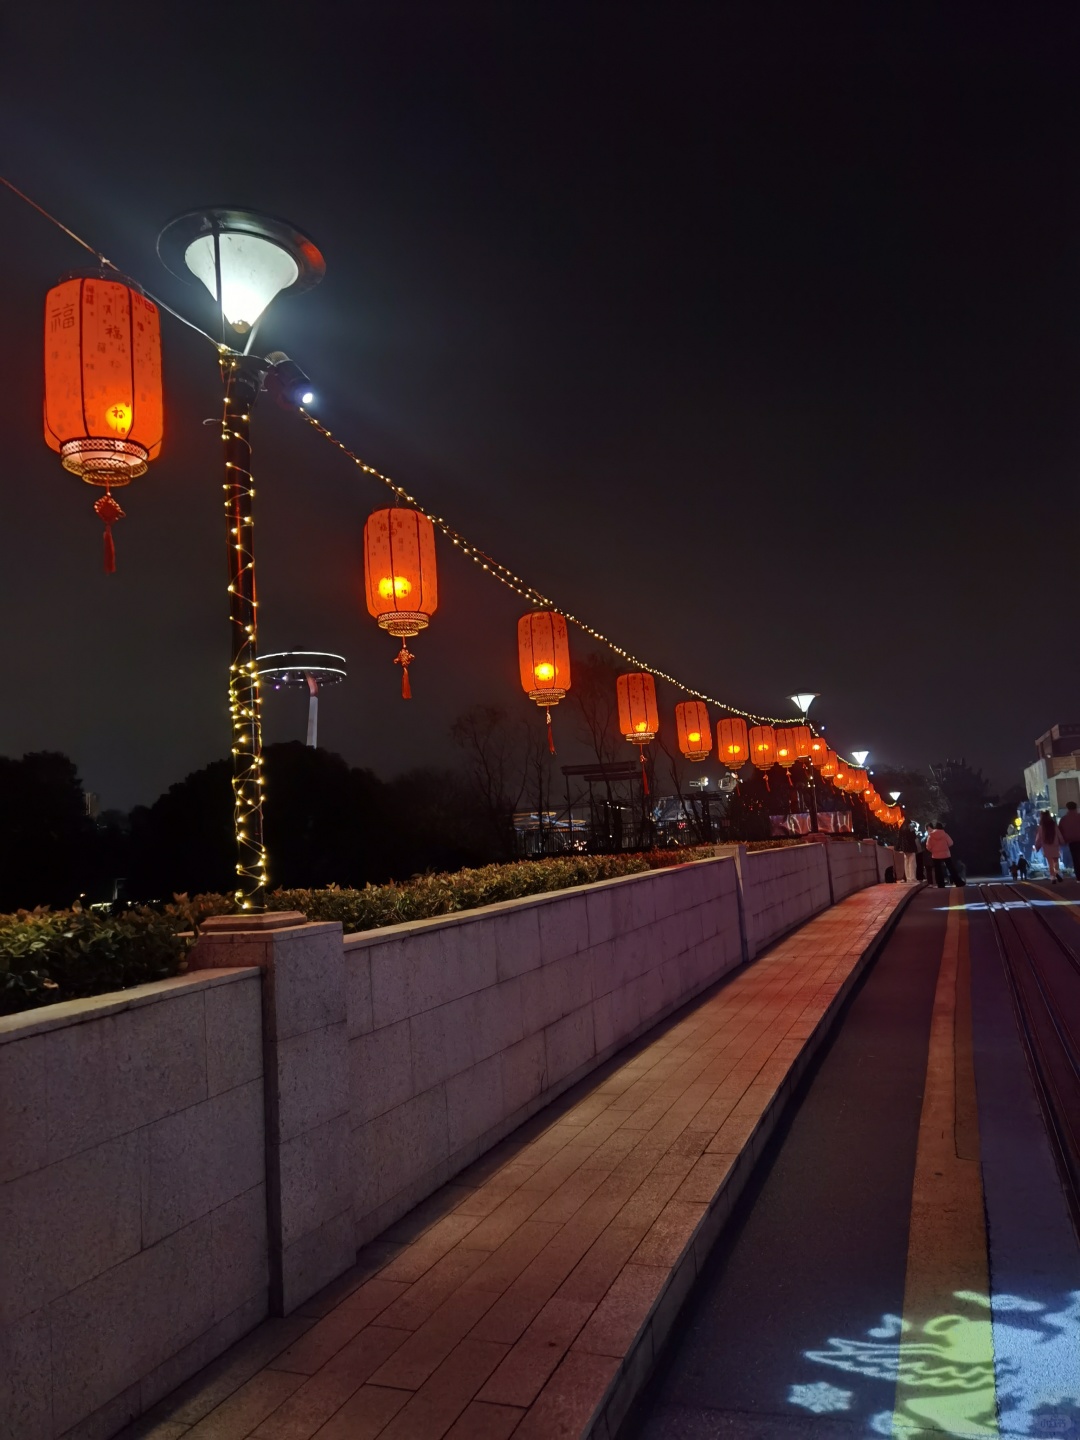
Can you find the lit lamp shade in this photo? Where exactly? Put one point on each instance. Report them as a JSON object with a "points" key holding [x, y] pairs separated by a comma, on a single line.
{"points": [[733, 743], [763, 746], [804, 742], [842, 778], [103, 404], [858, 780], [694, 730], [639, 720], [786, 753], [819, 753], [399, 570], [544, 656], [253, 270]]}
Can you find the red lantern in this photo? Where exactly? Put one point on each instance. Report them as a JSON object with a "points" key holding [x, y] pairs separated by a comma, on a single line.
{"points": [[786, 753], [103, 403], [399, 577], [694, 730], [819, 752], [829, 764], [544, 660], [639, 720], [804, 742], [763, 746], [842, 775], [733, 743]]}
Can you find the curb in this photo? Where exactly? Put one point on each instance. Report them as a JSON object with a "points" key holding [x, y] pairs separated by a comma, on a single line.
{"points": [[641, 1358]]}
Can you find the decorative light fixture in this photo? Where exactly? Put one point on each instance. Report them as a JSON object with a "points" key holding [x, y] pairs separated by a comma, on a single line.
{"points": [[544, 660], [244, 259], [733, 743], [803, 701], [763, 749], [894, 795], [694, 730], [860, 757], [639, 720], [104, 413], [786, 743], [399, 577], [310, 670]]}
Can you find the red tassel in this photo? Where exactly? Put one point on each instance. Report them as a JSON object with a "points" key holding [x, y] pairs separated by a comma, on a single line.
{"points": [[644, 773], [107, 510], [551, 738], [403, 658], [765, 777]]}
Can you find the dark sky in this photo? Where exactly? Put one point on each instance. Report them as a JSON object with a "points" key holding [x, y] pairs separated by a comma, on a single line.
{"points": [[749, 331]]}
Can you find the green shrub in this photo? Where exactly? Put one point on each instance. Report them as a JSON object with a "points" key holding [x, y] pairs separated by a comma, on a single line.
{"points": [[47, 956]]}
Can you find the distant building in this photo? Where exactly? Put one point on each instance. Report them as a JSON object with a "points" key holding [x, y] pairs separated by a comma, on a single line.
{"points": [[1054, 779], [93, 804]]}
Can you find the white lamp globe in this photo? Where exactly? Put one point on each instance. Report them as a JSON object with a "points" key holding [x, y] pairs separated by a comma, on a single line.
{"points": [[803, 701], [257, 257]]}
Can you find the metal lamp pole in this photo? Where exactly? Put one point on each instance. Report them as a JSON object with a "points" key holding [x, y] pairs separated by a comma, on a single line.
{"points": [[244, 259], [802, 703]]}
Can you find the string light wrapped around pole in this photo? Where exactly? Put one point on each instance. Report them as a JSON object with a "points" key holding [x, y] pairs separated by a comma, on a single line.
{"points": [[244, 259]]}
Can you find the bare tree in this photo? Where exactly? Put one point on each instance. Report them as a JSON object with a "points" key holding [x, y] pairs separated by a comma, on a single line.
{"points": [[498, 757]]}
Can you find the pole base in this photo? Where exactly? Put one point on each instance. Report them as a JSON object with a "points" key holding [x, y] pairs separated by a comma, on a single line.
{"points": [[268, 920]]}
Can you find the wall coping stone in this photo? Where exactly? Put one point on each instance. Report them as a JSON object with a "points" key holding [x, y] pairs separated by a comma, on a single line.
{"points": [[93, 1007], [360, 938]]}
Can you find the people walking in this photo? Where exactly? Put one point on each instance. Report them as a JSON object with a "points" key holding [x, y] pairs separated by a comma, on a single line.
{"points": [[1069, 826], [1048, 840], [1022, 867], [939, 844], [908, 845]]}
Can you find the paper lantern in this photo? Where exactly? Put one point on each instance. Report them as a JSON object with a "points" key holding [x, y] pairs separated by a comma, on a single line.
{"points": [[733, 743], [819, 752], [639, 720], [804, 742], [544, 660], [786, 753], [763, 746], [828, 765], [842, 774], [104, 413], [694, 729], [399, 577]]}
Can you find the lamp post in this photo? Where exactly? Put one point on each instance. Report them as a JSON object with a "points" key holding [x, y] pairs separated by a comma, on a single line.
{"points": [[244, 259], [860, 757], [802, 703]]}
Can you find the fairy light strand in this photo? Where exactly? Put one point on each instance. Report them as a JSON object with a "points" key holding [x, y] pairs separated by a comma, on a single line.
{"points": [[521, 587]]}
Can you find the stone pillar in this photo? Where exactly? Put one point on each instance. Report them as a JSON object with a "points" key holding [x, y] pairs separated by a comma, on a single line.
{"points": [[305, 1069], [737, 852]]}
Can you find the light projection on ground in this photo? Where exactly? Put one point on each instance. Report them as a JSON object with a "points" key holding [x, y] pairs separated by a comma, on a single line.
{"points": [[1006, 1367]]}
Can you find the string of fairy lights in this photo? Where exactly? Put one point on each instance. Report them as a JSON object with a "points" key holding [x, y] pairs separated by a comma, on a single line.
{"points": [[244, 690], [519, 586]]}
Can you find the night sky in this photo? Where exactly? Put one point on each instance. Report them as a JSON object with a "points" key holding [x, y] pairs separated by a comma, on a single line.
{"points": [[750, 332]]}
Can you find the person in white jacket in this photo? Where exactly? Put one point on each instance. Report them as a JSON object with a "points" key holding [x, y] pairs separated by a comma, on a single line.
{"points": [[1048, 840]]}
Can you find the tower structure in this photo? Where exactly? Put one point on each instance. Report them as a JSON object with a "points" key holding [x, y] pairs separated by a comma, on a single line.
{"points": [[310, 670]]}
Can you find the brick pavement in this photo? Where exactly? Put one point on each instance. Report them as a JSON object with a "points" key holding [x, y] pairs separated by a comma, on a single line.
{"points": [[528, 1297]]}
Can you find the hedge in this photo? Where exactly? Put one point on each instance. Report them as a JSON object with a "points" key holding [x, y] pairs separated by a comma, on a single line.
{"points": [[47, 956]]}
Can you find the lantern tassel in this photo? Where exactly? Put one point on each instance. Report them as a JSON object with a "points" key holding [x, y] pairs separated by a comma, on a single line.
{"points": [[108, 511], [404, 658], [644, 772], [551, 737], [765, 777]]}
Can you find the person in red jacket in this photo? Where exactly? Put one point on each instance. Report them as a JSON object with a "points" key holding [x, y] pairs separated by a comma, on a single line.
{"points": [[1069, 826], [940, 844]]}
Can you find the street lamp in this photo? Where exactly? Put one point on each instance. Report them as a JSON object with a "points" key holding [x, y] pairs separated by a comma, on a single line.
{"points": [[894, 796], [244, 259], [802, 702], [860, 757]]}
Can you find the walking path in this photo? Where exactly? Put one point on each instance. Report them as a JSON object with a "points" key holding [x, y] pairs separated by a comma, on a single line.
{"points": [[528, 1297]]}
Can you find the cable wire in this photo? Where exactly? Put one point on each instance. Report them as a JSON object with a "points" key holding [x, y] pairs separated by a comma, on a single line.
{"points": [[521, 587]]}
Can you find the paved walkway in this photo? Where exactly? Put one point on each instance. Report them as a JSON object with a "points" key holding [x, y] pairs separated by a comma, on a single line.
{"points": [[526, 1297]]}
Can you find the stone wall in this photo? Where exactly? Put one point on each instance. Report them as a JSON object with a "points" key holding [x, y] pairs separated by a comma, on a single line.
{"points": [[461, 1027], [780, 889], [853, 864], [132, 1198]]}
